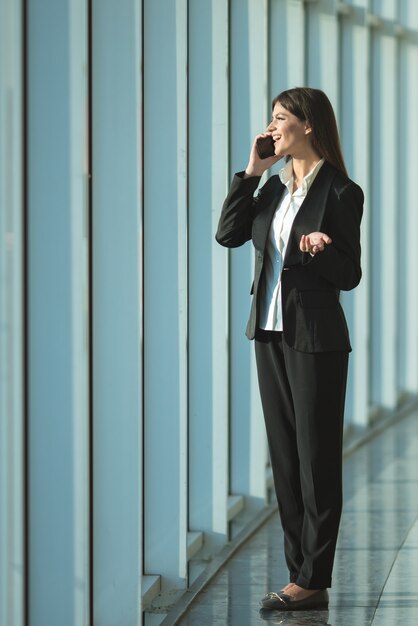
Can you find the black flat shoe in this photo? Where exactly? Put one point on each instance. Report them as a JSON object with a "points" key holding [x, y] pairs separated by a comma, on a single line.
{"points": [[283, 602]]}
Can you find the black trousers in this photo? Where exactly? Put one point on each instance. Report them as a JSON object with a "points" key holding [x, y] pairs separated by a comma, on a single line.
{"points": [[303, 403]]}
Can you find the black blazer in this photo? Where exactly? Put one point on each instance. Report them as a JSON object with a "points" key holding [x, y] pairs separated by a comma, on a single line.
{"points": [[313, 320]]}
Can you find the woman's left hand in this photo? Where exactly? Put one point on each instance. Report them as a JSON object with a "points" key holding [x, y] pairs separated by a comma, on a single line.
{"points": [[314, 242]]}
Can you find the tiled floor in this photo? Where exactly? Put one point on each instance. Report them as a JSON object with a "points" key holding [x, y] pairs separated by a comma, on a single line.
{"points": [[375, 579]]}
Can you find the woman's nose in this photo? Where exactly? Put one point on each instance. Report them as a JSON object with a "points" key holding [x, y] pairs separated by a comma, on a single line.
{"points": [[271, 127]]}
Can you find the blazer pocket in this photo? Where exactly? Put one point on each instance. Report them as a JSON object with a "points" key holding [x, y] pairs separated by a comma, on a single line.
{"points": [[318, 299]]}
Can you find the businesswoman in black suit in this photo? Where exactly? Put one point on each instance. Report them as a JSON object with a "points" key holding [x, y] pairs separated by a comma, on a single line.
{"points": [[305, 227]]}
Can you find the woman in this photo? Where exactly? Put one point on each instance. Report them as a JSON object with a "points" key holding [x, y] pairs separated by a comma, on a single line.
{"points": [[305, 227]]}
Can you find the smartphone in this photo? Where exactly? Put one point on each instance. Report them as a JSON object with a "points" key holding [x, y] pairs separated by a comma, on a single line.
{"points": [[265, 147]]}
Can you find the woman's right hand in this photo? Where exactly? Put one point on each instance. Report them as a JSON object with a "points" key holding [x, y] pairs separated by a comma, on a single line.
{"points": [[257, 166]]}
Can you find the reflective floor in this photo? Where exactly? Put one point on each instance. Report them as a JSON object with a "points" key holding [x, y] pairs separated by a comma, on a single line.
{"points": [[375, 578]]}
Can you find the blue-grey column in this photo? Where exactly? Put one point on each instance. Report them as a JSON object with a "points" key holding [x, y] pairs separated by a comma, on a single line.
{"points": [[208, 272], [11, 318], [58, 313], [165, 294], [117, 312], [355, 134], [407, 105], [249, 115], [384, 222], [286, 46], [322, 48]]}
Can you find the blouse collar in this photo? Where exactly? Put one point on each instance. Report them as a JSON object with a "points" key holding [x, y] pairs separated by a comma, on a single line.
{"points": [[286, 176]]}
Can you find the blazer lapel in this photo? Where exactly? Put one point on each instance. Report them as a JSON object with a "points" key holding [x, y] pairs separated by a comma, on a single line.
{"points": [[267, 207], [310, 215]]}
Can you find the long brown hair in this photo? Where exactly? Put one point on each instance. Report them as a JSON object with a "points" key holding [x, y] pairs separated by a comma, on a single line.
{"points": [[314, 106]]}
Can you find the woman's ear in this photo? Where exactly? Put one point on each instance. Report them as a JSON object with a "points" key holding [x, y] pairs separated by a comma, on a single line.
{"points": [[308, 130]]}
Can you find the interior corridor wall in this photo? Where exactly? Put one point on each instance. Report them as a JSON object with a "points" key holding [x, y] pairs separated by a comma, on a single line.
{"points": [[132, 444]]}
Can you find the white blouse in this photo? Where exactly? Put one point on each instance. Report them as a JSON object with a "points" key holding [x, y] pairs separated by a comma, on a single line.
{"points": [[289, 205]]}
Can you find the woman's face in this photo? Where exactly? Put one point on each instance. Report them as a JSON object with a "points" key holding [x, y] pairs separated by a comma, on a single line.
{"points": [[290, 134]]}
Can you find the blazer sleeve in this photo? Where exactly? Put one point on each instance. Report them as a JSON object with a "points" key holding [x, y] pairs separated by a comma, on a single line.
{"points": [[238, 211], [339, 263]]}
